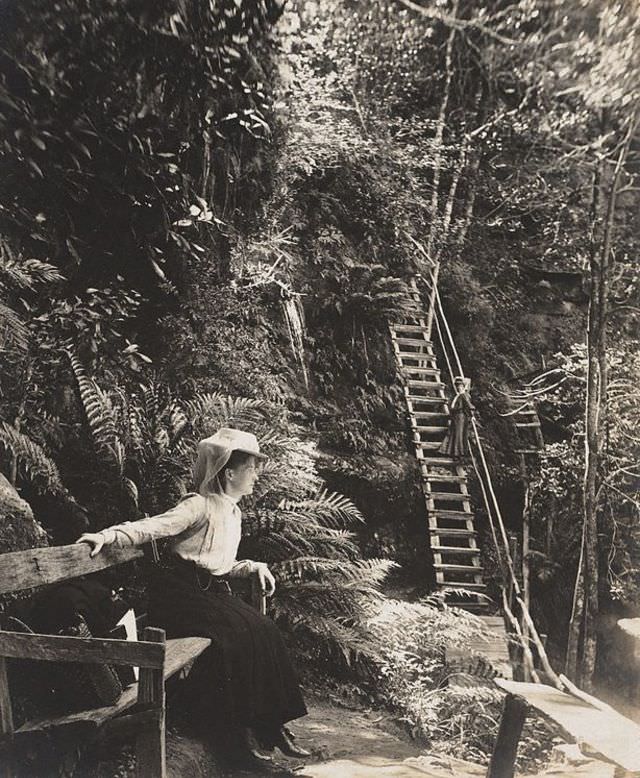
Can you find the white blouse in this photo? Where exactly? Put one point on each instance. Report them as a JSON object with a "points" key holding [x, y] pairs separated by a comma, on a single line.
{"points": [[204, 530]]}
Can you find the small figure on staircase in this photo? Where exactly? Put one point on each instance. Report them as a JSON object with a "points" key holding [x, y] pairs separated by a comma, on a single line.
{"points": [[456, 442]]}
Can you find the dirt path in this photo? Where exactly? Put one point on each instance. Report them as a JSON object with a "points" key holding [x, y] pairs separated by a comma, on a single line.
{"points": [[348, 743], [345, 743]]}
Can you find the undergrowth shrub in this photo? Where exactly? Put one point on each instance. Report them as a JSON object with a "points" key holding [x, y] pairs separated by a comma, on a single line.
{"points": [[453, 713]]}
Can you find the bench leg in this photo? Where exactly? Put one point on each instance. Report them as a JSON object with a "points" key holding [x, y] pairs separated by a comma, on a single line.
{"points": [[503, 758], [150, 742]]}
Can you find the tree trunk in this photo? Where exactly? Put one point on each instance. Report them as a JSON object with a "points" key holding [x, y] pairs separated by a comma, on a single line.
{"points": [[595, 415]]}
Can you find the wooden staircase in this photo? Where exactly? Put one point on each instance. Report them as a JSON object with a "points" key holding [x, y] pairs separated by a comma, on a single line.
{"points": [[444, 482], [529, 438]]}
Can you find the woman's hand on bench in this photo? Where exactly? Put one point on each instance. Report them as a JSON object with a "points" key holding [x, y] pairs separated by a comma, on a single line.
{"points": [[93, 539]]}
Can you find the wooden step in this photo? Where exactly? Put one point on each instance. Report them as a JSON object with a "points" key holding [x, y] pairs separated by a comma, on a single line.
{"points": [[445, 514], [436, 396], [413, 342], [423, 428], [429, 474], [408, 328], [456, 532], [465, 604], [454, 550], [414, 354], [528, 450], [422, 370], [522, 424], [423, 384], [458, 568], [449, 496], [428, 445], [419, 357], [429, 415], [462, 585]]}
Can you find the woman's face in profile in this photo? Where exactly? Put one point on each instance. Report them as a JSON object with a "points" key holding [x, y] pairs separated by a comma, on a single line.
{"points": [[245, 476], [460, 387]]}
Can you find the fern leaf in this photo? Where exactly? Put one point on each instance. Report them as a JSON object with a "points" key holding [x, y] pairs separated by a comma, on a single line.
{"points": [[326, 507], [12, 329], [32, 460], [98, 411]]}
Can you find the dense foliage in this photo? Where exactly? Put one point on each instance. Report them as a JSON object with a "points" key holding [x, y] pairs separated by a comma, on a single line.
{"points": [[197, 204]]}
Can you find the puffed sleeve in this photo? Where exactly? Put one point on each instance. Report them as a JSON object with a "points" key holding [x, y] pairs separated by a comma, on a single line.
{"points": [[164, 525]]}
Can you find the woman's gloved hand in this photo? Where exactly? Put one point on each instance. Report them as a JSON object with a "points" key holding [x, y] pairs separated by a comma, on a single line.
{"points": [[93, 539], [267, 581]]}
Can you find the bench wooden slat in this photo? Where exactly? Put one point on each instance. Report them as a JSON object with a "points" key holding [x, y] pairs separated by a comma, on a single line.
{"points": [[179, 651], [57, 648], [21, 570], [608, 732]]}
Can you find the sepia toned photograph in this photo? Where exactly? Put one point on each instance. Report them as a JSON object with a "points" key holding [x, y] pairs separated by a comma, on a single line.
{"points": [[319, 388]]}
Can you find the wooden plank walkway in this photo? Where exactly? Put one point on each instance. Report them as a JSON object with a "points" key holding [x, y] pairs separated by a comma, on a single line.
{"points": [[602, 729], [495, 649]]}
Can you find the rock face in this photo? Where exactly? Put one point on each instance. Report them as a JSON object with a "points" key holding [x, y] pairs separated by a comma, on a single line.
{"points": [[18, 528]]}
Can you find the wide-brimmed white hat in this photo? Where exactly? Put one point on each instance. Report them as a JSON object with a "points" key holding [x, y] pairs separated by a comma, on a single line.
{"points": [[214, 453]]}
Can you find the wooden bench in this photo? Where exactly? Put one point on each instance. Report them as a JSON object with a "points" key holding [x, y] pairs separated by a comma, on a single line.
{"points": [[583, 718], [141, 707]]}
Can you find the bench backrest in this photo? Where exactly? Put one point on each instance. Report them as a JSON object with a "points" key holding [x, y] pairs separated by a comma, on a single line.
{"points": [[21, 570]]}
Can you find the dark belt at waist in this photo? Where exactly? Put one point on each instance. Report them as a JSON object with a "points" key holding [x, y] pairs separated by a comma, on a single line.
{"points": [[202, 577]]}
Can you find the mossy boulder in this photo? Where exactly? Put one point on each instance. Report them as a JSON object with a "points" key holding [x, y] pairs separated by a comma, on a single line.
{"points": [[18, 528]]}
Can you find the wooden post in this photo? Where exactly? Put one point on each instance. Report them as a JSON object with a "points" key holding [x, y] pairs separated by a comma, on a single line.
{"points": [[6, 721], [526, 533], [150, 742], [258, 597], [503, 758]]}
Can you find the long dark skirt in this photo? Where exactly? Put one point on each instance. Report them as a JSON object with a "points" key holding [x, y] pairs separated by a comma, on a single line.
{"points": [[245, 678], [456, 443]]}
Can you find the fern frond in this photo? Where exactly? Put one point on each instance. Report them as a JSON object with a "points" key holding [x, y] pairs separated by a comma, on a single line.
{"points": [[224, 410], [99, 413], [28, 273], [12, 329], [240, 411], [32, 460], [178, 425], [330, 508]]}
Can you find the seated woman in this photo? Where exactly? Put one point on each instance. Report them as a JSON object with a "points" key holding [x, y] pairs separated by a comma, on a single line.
{"points": [[456, 442], [245, 681]]}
